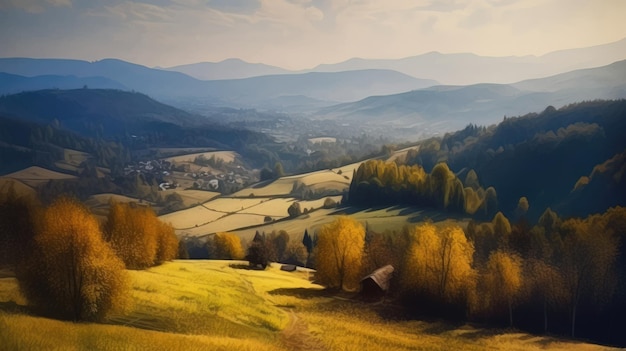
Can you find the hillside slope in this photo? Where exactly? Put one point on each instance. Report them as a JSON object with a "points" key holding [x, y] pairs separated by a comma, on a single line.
{"points": [[446, 108], [217, 305]]}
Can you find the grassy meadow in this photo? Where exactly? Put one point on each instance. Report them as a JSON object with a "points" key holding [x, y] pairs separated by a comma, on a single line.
{"points": [[220, 305]]}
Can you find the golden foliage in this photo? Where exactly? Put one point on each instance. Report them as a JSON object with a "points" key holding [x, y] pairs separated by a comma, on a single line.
{"points": [[138, 237], [338, 253], [438, 263], [72, 272], [167, 241], [228, 246], [502, 281]]}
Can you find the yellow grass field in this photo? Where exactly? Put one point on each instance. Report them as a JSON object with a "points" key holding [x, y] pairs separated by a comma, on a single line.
{"points": [[229, 205], [191, 217], [390, 218], [192, 197], [226, 156], [319, 180], [227, 214], [216, 305], [279, 187], [34, 176], [20, 188], [226, 223]]}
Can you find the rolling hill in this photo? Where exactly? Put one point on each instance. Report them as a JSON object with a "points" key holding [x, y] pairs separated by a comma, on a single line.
{"points": [[445, 108], [84, 110]]}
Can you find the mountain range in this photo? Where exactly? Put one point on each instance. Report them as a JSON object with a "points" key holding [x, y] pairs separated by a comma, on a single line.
{"points": [[445, 108], [173, 86], [382, 94], [449, 69]]}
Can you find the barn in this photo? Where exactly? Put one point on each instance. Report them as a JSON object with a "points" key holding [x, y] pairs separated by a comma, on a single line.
{"points": [[374, 286]]}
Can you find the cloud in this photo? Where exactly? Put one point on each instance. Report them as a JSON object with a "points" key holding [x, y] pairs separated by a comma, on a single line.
{"points": [[300, 33]]}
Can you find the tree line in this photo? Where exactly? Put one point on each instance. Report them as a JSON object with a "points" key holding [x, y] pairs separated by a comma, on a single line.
{"points": [[376, 182], [563, 276]]}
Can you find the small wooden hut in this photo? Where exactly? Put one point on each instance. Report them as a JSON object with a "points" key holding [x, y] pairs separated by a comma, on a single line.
{"points": [[375, 285]]}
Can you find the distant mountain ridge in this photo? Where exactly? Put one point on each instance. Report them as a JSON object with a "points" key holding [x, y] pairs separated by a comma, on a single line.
{"points": [[440, 109], [228, 69], [11, 83], [249, 92], [468, 68]]}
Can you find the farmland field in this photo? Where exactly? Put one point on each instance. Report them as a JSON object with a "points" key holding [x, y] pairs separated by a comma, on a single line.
{"points": [[99, 203], [17, 186], [192, 197], [34, 176], [226, 156], [191, 217], [215, 305]]}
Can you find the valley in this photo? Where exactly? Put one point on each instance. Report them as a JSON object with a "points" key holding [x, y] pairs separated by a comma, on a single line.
{"points": [[385, 200]]}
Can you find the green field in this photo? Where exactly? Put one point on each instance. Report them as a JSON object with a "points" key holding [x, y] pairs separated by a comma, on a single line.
{"points": [[219, 305]]}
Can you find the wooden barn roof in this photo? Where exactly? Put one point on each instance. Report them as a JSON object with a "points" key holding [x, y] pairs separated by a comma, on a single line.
{"points": [[381, 276]]}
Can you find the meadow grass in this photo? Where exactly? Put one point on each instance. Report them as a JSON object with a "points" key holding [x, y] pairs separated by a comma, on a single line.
{"points": [[221, 305]]}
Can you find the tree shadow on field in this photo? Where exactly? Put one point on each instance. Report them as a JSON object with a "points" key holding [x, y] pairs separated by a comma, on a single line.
{"points": [[304, 293], [13, 308], [246, 267]]}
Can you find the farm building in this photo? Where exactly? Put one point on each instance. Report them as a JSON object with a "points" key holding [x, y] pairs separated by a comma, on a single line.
{"points": [[376, 284]]}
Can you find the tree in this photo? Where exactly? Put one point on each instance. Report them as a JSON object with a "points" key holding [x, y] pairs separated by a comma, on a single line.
{"points": [[132, 233], [257, 252], [587, 264], [544, 280], [167, 241], [501, 229], [18, 215], [441, 182], [278, 170], [72, 273], [338, 253], [228, 246], [438, 264], [294, 210], [471, 180], [522, 208], [295, 253], [503, 280]]}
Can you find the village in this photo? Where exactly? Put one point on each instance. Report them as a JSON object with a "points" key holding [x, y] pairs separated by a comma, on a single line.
{"points": [[226, 178]]}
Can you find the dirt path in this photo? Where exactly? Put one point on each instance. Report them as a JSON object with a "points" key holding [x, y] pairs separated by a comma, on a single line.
{"points": [[296, 336]]}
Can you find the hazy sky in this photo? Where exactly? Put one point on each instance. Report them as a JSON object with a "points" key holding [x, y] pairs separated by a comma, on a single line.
{"points": [[299, 34]]}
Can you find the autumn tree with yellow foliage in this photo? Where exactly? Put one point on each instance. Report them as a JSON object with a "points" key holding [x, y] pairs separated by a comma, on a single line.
{"points": [[338, 253], [72, 273], [138, 237], [502, 281], [228, 246], [438, 265]]}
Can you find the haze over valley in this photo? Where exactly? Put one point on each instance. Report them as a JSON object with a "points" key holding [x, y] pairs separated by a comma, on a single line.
{"points": [[312, 175]]}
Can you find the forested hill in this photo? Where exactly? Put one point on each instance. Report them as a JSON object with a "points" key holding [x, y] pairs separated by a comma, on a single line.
{"points": [[87, 110], [123, 116], [571, 159]]}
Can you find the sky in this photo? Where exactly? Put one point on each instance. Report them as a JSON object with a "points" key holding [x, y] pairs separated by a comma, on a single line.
{"points": [[300, 34]]}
